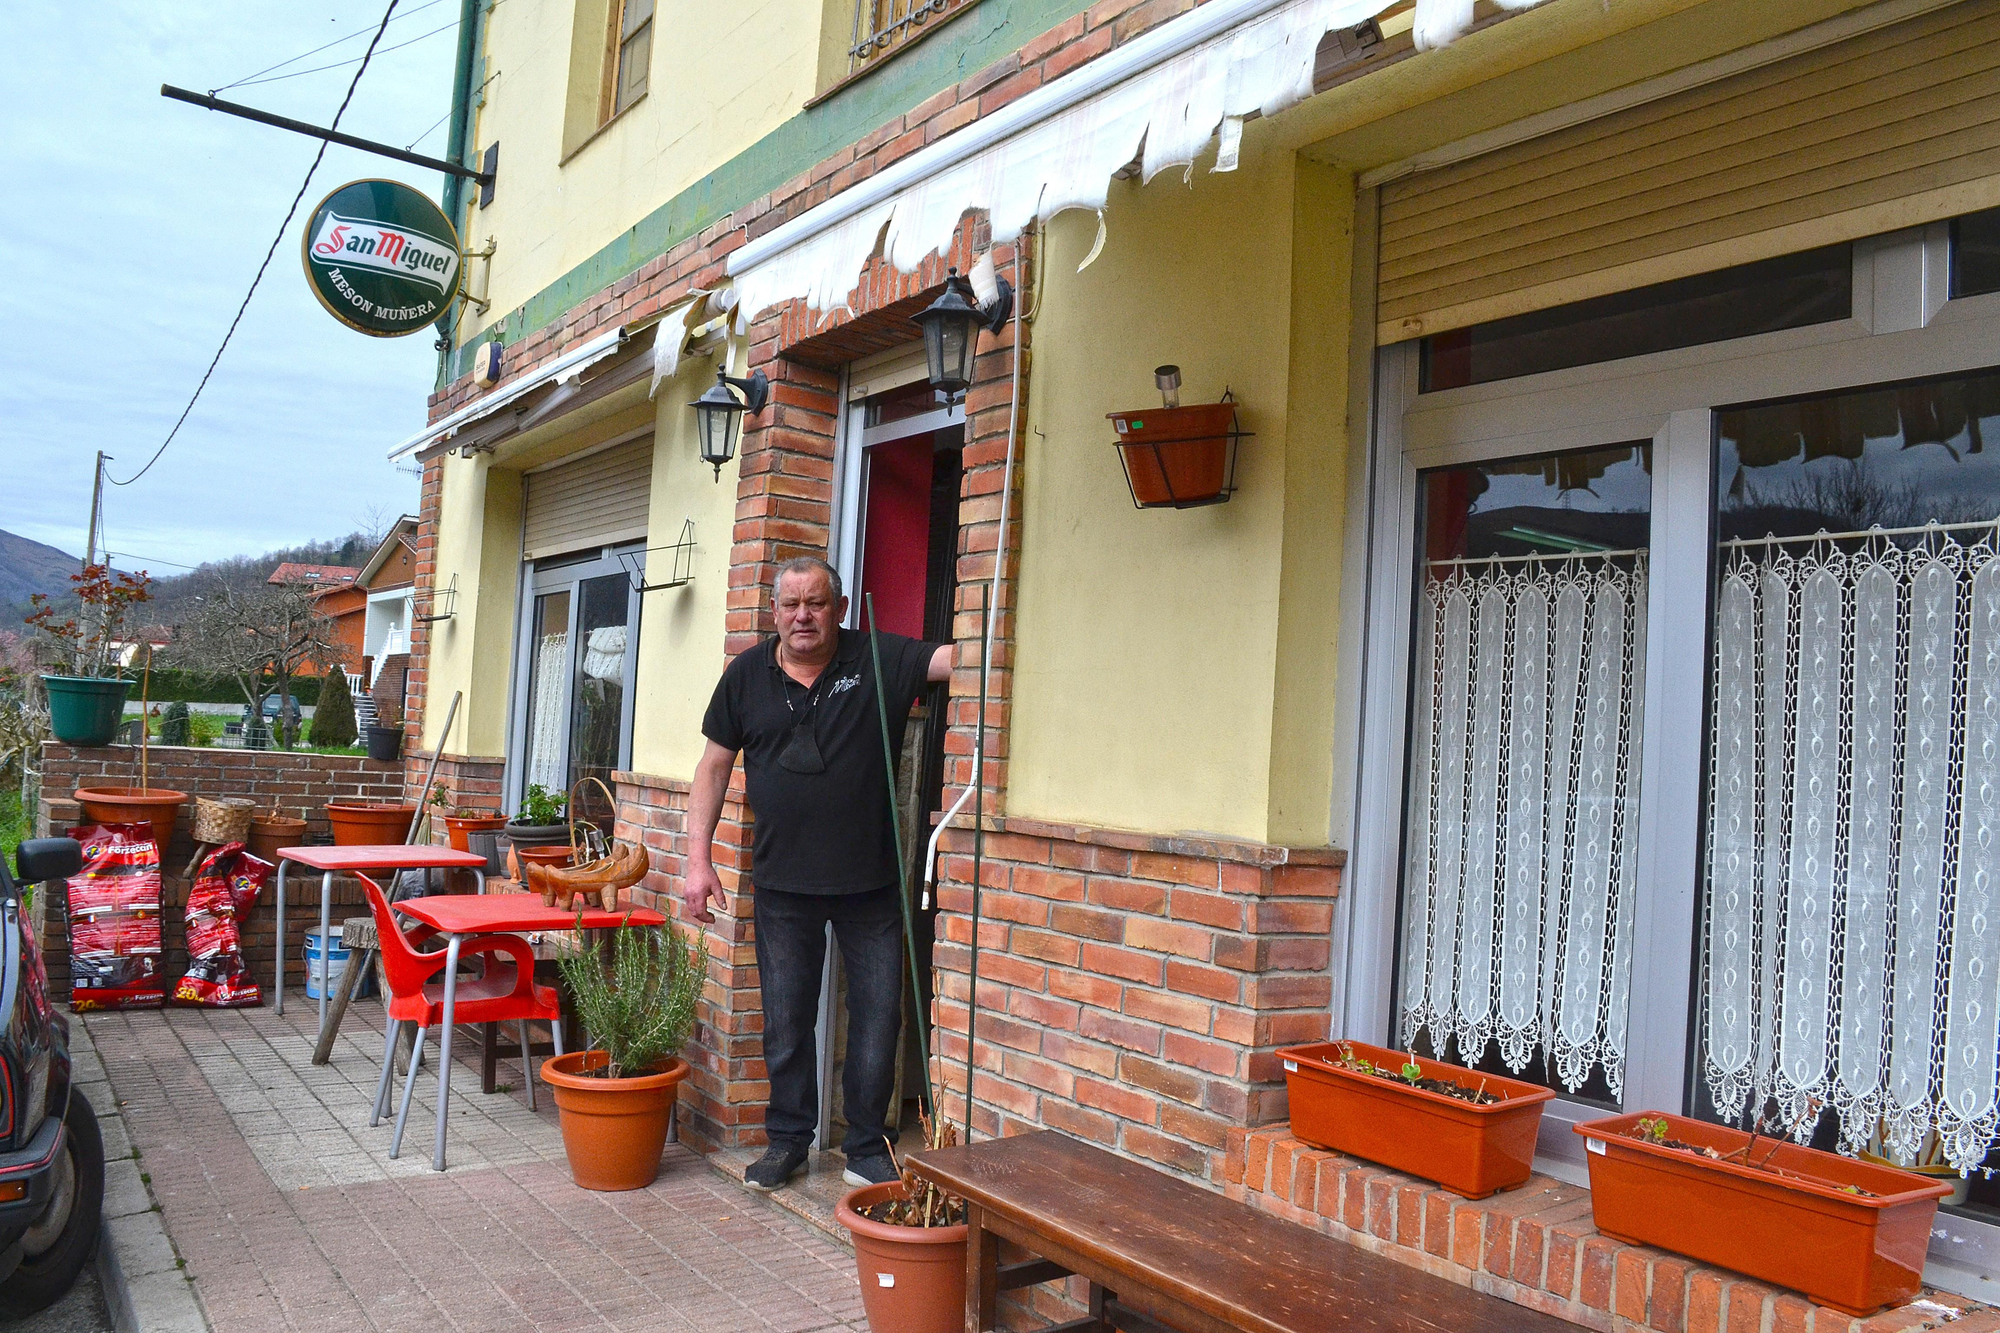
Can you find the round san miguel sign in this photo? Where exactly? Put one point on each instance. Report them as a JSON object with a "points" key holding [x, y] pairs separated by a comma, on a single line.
{"points": [[381, 257]]}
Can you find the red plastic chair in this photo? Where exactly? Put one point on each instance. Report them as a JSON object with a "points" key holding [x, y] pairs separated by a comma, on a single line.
{"points": [[507, 992]]}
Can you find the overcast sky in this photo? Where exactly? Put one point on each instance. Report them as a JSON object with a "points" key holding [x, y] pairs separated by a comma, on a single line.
{"points": [[134, 225]]}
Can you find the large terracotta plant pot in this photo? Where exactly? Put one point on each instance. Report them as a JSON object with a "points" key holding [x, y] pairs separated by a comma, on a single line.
{"points": [[458, 827], [613, 1128], [270, 832], [85, 710], [912, 1278], [1470, 1150], [1856, 1253], [158, 806], [359, 825]]}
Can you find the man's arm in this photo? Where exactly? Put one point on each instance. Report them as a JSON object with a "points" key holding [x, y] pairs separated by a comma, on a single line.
{"points": [[940, 668], [711, 780]]}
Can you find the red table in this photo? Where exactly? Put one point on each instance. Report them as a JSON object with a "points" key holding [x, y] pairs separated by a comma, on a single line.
{"points": [[459, 915], [330, 861]]}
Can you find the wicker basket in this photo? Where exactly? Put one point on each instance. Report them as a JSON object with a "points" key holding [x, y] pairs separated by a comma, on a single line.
{"points": [[226, 820]]}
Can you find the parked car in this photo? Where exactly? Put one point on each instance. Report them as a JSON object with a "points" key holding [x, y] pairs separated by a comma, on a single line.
{"points": [[51, 1157]]}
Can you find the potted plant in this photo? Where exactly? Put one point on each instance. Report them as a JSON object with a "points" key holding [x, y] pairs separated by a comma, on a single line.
{"points": [[1471, 1133], [461, 821], [1847, 1233], [538, 821], [617, 1095], [87, 698], [385, 734], [909, 1248]]}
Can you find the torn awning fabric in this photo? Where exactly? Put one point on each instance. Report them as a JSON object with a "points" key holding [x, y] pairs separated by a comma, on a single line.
{"points": [[1161, 97]]}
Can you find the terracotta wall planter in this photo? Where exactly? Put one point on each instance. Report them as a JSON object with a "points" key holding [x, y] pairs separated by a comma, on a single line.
{"points": [[1470, 1150], [912, 1278], [613, 1129], [359, 825], [1177, 457], [458, 827], [1854, 1253], [158, 806]]}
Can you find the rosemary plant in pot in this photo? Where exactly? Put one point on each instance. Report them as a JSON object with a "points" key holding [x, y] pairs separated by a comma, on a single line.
{"points": [[635, 999]]}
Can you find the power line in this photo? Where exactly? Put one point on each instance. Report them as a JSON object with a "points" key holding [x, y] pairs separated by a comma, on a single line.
{"points": [[340, 64], [338, 41], [304, 185]]}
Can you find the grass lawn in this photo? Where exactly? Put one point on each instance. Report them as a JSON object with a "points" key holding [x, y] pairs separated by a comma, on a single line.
{"points": [[14, 823]]}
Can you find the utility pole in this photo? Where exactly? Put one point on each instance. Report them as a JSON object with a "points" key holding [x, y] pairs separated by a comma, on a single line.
{"points": [[96, 500]]}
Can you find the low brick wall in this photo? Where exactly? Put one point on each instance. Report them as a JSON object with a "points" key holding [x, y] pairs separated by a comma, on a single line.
{"points": [[1536, 1246], [295, 782], [723, 1100]]}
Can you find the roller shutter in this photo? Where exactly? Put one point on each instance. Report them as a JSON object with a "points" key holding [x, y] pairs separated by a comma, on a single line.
{"points": [[594, 501], [1887, 129]]}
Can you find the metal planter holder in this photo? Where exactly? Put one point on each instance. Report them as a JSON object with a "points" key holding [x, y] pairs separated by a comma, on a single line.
{"points": [[1179, 457]]}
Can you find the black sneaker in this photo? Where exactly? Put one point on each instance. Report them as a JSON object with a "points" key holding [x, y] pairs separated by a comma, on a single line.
{"points": [[777, 1166], [875, 1169]]}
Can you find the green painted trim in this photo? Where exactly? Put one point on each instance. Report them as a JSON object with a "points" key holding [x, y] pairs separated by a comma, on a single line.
{"points": [[996, 30]]}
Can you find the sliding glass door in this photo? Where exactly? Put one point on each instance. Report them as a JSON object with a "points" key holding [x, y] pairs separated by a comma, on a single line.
{"points": [[577, 648]]}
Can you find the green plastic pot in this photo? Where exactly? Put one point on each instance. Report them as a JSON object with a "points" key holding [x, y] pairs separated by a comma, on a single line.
{"points": [[85, 710]]}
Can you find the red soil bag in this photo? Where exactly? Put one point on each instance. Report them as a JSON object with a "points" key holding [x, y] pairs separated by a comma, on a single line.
{"points": [[114, 920], [225, 889]]}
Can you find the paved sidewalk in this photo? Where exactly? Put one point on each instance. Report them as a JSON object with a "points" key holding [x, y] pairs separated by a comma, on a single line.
{"points": [[290, 1215]]}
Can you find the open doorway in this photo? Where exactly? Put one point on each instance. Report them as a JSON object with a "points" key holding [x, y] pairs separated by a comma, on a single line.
{"points": [[896, 545]]}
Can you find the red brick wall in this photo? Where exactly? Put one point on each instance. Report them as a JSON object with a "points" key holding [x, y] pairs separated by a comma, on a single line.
{"points": [[1132, 989], [297, 783], [1537, 1246], [722, 1101]]}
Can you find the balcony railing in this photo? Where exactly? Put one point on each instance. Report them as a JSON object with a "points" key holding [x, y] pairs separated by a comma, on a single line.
{"points": [[881, 26]]}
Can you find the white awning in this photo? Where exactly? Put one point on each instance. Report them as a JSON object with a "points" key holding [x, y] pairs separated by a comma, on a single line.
{"points": [[1162, 97], [566, 366]]}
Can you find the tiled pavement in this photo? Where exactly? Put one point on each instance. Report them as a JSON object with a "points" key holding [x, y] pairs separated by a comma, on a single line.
{"points": [[290, 1215]]}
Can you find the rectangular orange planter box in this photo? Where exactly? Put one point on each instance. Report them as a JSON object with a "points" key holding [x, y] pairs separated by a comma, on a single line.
{"points": [[1470, 1150], [1853, 1253]]}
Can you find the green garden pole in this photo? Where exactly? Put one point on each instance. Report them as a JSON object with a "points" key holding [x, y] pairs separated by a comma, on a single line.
{"points": [[902, 869]]}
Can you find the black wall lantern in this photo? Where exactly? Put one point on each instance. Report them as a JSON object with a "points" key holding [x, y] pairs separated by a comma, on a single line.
{"points": [[951, 327], [719, 414]]}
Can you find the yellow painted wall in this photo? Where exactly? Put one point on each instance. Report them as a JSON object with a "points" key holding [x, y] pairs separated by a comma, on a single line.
{"points": [[681, 630], [478, 541], [759, 64], [1150, 691]]}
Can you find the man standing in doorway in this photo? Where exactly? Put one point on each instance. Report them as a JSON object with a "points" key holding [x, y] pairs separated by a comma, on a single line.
{"points": [[801, 708]]}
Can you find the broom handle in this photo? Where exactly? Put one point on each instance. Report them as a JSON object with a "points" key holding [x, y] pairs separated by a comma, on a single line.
{"points": [[902, 869], [145, 726], [424, 796]]}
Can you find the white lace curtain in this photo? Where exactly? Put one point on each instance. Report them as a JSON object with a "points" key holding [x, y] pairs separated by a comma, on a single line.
{"points": [[1530, 674], [1851, 948], [548, 700]]}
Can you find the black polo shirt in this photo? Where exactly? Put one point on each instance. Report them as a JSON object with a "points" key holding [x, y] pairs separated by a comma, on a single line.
{"points": [[825, 832]]}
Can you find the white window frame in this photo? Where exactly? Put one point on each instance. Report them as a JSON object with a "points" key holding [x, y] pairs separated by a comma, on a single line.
{"points": [[1902, 327]]}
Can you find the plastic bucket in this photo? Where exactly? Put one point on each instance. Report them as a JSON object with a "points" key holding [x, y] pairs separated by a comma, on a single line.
{"points": [[337, 960]]}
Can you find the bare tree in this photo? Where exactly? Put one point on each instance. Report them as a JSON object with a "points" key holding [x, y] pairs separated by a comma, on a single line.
{"points": [[260, 638]]}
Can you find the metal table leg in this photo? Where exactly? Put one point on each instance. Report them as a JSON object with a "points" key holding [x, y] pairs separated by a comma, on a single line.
{"points": [[325, 946], [278, 982], [444, 1047]]}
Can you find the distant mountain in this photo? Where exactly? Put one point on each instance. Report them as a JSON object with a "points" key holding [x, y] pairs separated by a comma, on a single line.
{"points": [[28, 567]]}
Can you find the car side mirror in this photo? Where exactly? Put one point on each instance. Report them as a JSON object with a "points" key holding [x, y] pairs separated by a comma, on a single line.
{"points": [[40, 859]]}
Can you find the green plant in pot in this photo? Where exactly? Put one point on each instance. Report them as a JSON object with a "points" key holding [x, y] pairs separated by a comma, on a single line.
{"points": [[635, 999], [87, 690], [538, 821]]}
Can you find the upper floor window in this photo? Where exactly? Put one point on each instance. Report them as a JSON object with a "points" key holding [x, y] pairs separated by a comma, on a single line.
{"points": [[881, 26], [629, 56]]}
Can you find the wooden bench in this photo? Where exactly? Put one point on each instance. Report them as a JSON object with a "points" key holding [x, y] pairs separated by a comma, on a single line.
{"points": [[1164, 1255]]}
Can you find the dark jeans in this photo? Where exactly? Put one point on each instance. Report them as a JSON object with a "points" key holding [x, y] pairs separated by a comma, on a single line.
{"points": [[791, 958]]}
